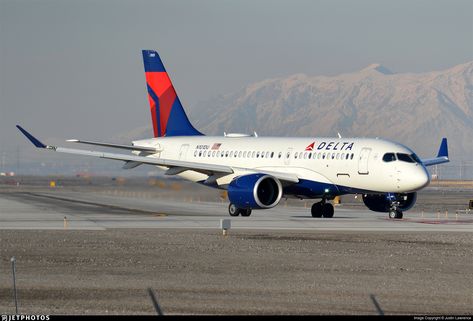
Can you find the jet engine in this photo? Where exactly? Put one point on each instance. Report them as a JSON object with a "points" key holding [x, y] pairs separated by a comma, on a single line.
{"points": [[382, 202], [255, 191]]}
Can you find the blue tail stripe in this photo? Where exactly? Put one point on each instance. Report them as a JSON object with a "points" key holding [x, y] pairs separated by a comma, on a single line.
{"points": [[156, 100]]}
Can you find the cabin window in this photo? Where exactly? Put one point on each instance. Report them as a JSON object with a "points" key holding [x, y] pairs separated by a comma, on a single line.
{"points": [[323, 156], [244, 154], [205, 153], [288, 155], [262, 154], [272, 154], [333, 156], [338, 155], [295, 155], [279, 155], [195, 153], [351, 157], [267, 154]]}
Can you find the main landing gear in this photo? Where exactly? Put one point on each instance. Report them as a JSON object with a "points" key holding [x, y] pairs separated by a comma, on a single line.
{"points": [[235, 211], [322, 208]]}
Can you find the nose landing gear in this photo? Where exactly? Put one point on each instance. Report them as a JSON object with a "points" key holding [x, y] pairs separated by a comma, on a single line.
{"points": [[394, 211]]}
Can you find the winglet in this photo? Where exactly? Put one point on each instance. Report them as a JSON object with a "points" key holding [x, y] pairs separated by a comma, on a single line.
{"points": [[443, 150], [33, 139]]}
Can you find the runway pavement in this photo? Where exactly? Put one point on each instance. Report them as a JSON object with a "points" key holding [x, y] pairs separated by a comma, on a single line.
{"points": [[118, 241], [59, 209]]}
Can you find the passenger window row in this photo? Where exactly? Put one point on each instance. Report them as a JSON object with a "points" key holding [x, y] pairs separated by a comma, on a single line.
{"points": [[265, 154]]}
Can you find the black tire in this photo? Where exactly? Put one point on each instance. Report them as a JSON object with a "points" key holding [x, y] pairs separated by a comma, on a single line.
{"points": [[245, 211], [316, 210], [233, 210], [327, 210], [392, 214], [398, 214]]}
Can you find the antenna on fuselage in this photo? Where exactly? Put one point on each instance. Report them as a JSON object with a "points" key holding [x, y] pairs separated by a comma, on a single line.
{"points": [[339, 136]]}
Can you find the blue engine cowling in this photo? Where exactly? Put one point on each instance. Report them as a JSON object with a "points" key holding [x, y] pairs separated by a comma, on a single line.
{"points": [[255, 191], [382, 202]]}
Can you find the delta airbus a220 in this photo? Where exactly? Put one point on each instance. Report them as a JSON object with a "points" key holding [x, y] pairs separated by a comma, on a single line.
{"points": [[258, 172]]}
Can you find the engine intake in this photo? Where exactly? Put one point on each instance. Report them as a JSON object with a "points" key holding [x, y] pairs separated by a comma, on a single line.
{"points": [[255, 191], [382, 202]]}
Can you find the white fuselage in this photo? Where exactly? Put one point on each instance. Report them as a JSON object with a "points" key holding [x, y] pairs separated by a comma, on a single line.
{"points": [[352, 164]]}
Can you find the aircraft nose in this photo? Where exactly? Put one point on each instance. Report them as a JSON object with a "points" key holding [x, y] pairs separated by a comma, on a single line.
{"points": [[420, 178], [414, 178], [423, 177]]}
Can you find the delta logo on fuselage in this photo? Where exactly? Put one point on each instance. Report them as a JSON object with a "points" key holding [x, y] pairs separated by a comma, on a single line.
{"points": [[331, 146]]}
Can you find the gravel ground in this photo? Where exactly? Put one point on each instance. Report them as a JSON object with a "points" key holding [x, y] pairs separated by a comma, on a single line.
{"points": [[247, 272]]}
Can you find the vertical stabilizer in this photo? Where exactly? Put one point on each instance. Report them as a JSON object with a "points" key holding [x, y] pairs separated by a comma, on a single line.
{"points": [[167, 114]]}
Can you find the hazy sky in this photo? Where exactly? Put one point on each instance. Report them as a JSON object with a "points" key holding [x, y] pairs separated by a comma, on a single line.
{"points": [[73, 69]]}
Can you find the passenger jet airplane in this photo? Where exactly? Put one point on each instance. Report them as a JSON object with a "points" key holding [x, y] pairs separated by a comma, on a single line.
{"points": [[258, 171]]}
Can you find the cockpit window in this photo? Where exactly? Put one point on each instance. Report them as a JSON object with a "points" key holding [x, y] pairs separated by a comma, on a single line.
{"points": [[389, 157], [416, 158], [405, 158]]}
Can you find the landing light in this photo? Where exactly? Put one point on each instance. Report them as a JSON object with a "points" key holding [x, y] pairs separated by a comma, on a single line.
{"points": [[327, 190]]}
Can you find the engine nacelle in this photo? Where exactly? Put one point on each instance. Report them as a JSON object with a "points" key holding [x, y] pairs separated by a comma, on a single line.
{"points": [[382, 202], [255, 191]]}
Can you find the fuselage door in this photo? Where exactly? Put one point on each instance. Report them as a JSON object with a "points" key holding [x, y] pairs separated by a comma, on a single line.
{"points": [[183, 152], [363, 161]]}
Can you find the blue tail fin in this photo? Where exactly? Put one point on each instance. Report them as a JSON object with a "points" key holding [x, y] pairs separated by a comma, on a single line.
{"points": [[167, 113]]}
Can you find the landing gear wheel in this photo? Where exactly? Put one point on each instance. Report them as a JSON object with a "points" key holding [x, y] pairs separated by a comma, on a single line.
{"points": [[245, 211], [395, 214], [316, 210], [398, 214], [327, 210], [233, 210]]}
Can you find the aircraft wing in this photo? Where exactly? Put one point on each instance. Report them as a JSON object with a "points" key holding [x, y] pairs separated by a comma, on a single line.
{"points": [[175, 166], [128, 147], [442, 155]]}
